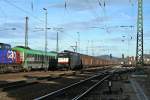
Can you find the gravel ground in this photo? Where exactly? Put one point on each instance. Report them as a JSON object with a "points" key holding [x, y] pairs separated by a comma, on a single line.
{"points": [[23, 75], [41, 88], [102, 92], [144, 82], [10, 77]]}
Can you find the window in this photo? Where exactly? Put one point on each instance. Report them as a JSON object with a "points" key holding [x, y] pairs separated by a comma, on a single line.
{"points": [[38, 57], [7, 47], [35, 56]]}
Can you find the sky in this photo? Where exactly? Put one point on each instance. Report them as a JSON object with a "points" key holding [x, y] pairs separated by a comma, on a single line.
{"points": [[95, 25]]}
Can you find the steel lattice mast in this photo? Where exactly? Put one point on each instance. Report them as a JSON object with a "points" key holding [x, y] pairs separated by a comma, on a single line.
{"points": [[139, 45]]}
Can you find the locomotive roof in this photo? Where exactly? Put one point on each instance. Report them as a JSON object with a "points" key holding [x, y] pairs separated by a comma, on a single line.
{"points": [[67, 51], [31, 51], [4, 44]]}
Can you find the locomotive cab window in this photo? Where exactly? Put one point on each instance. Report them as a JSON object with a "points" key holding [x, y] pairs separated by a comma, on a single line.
{"points": [[7, 47]]}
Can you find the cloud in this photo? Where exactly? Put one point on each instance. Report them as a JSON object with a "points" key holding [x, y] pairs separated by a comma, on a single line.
{"points": [[146, 34], [75, 4], [84, 25], [126, 16], [17, 25], [11, 30], [120, 2], [88, 4]]}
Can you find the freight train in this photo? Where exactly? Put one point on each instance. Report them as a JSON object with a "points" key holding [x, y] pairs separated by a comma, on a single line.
{"points": [[72, 60], [22, 58]]}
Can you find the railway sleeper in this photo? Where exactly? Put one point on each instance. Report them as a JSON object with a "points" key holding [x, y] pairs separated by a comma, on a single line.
{"points": [[15, 85]]}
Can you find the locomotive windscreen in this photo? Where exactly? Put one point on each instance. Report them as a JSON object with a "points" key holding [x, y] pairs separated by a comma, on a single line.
{"points": [[5, 46], [63, 58], [63, 55]]}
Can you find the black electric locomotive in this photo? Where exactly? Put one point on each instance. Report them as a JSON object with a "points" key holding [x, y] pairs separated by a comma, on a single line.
{"points": [[69, 60]]}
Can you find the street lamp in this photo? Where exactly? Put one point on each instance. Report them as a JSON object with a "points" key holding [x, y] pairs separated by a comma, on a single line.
{"points": [[45, 33], [45, 30]]}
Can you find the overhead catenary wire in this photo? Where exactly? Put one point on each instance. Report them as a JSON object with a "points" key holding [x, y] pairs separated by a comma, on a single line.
{"points": [[68, 41], [32, 5], [104, 12], [24, 11], [102, 5], [3, 14], [99, 2], [66, 7], [131, 1], [92, 9]]}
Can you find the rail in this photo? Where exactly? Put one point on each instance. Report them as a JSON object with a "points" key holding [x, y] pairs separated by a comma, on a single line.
{"points": [[91, 88], [77, 86]]}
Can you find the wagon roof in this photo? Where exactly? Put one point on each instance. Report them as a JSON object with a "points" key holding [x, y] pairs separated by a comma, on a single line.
{"points": [[31, 51]]}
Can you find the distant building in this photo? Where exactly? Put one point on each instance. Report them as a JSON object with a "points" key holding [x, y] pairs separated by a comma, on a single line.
{"points": [[146, 59], [131, 60]]}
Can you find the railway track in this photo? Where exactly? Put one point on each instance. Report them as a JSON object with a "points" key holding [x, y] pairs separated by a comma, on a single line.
{"points": [[23, 83], [17, 85], [31, 81], [81, 89], [76, 90], [39, 86]]}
